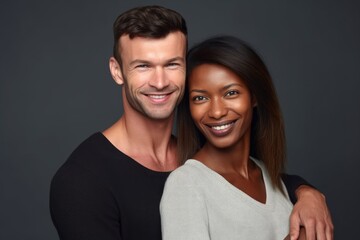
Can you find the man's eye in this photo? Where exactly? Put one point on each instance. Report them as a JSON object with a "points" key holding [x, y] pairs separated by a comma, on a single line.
{"points": [[142, 66], [172, 65]]}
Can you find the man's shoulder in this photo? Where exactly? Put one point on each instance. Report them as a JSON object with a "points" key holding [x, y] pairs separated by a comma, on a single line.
{"points": [[94, 143], [86, 150], [90, 156], [95, 161]]}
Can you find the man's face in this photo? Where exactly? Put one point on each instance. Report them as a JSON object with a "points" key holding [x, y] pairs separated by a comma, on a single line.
{"points": [[154, 73]]}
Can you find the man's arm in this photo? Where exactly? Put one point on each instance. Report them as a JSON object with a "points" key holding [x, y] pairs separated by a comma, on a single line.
{"points": [[292, 183], [310, 210], [81, 207]]}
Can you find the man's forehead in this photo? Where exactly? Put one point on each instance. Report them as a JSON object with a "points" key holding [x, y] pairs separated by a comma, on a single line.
{"points": [[171, 46]]}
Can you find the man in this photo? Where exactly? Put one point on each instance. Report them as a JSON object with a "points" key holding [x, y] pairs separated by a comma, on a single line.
{"points": [[111, 185]]}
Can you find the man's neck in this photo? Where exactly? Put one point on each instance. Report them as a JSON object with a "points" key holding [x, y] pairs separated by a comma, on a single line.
{"points": [[149, 142]]}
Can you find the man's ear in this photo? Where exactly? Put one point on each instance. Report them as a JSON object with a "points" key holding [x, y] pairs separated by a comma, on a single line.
{"points": [[115, 71]]}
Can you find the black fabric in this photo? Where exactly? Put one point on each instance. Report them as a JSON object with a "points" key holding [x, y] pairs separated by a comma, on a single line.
{"points": [[100, 193], [293, 182]]}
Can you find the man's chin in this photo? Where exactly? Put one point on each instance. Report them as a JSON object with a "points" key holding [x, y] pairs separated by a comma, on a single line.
{"points": [[160, 115]]}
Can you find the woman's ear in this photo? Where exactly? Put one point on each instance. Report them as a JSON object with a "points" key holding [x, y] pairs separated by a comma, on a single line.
{"points": [[253, 101], [115, 71]]}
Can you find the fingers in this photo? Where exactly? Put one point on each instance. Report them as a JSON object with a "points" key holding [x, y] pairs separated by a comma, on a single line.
{"points": [[325, 229], [294, 226], [320, 231], [315, 229], [329, 232], [302, 235], [311, 211], [310, 229]]}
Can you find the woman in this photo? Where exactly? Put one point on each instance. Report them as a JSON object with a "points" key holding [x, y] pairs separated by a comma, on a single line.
{"points": [[231, 130]]}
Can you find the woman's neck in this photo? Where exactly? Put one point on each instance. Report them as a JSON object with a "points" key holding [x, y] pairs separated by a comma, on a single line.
{"points": [[235, 166]]}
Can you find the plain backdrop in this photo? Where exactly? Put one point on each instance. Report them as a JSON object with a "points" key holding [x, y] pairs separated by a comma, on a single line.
{"points": [[56, 90]]}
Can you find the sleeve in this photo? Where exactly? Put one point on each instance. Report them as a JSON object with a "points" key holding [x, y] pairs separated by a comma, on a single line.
{"points": [[292, 183], [183, 210], [82, 208]]}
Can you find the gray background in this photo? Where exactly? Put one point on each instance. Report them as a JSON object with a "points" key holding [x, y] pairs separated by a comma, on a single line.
{"points": [[55, 90]]}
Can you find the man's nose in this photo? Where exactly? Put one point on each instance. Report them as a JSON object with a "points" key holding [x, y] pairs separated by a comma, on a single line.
{"points": [[159, 80]]}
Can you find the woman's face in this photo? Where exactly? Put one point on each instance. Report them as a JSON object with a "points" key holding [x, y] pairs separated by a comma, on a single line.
{"points": [[220, 105]]}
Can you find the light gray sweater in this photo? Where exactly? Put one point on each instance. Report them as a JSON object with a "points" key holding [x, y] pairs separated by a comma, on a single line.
{"points": [[200, 204]]}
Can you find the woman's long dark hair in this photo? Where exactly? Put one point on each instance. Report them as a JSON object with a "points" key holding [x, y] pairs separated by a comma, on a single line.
{"points": [[267, 127]]}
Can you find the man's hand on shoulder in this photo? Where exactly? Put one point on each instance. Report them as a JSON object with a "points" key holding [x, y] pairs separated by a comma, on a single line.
{"points": [[311, 212]]}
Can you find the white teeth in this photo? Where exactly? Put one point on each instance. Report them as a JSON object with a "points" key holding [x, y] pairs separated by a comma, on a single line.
{"points": [[221, 127], [157, 96]]}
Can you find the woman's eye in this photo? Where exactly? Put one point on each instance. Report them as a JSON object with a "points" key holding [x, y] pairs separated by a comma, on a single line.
{"points": [[198, 98], [231, 93]]}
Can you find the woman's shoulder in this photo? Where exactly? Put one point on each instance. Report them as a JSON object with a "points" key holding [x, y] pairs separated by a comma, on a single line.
{"points": [[190, 172]]}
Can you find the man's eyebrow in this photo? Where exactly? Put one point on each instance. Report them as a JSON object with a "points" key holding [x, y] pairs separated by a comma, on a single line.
{"points": [[139, 61]]}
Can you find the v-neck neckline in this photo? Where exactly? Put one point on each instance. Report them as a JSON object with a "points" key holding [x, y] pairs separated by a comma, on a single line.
{"points": [[236, 191]]}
